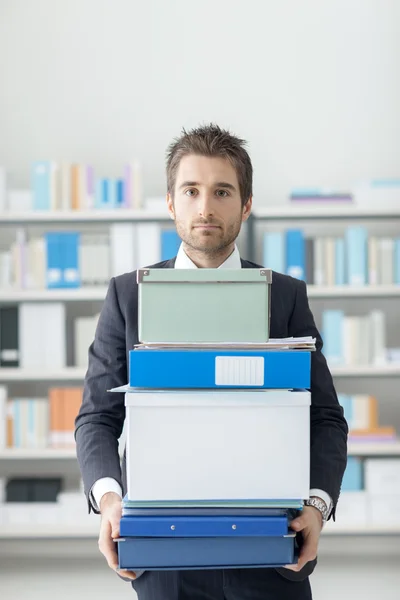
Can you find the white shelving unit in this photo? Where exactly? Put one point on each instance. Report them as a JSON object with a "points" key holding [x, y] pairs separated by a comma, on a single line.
{"points": [[98, 293], [84, 294], [89, 216], [78, 373], [292, 211], [21, 375]]}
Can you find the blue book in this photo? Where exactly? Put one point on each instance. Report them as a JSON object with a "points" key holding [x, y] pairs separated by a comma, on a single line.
{"points": [[41, 184], [170, 242], [120, 193], [274, 251], [70, 242], [357, 255], [205, 526], [396, 278], [54, 260], [98, 194], [295, 254], [332, 335], [206, 553], [346, 402], [187, 369], [104, 200], [112, 193], [353, 475], [340, 265]]}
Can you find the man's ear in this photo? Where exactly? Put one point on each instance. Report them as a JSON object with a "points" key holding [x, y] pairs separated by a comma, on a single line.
{"points": [[170, 206], [247, 209]]}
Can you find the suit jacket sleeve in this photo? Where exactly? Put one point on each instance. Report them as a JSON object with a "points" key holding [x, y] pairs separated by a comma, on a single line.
{"points": [[99, 423], [328, 426]]}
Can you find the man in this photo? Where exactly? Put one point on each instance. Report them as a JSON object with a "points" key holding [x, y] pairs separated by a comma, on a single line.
{"points": [[209, 176]]}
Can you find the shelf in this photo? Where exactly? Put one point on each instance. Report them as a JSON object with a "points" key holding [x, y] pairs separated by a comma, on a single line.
{"points": [[344, 291], [373, 448], [287, 212], [74, 531], [366, 371], [98, 293], [38, 453], [336, 529], [84, 294], [91, 216], [21, 375], [48, 531]]}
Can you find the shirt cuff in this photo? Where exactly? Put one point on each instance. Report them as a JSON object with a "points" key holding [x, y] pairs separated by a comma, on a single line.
{"points": [[103, 486], [324, 496]]}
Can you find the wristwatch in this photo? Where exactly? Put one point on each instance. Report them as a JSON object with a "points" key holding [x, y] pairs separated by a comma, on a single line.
{"points": [[320, 505]]}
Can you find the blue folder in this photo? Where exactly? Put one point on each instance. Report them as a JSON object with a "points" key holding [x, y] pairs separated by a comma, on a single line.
{"points": [[217, 526], [162, 368], [206, 553]]}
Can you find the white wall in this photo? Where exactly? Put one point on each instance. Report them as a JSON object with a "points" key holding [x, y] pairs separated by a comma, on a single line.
{"points": [[313, 85]]}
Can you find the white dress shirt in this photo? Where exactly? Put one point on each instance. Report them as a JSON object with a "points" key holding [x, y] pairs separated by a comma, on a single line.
{"points": [[108, 484]]}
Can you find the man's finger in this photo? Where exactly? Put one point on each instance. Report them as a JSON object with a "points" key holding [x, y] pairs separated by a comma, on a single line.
{"points": [[107, 546], [299, 523], [307, 553], [126, 574]]}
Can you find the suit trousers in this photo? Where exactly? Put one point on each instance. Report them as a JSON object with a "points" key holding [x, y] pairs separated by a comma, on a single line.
{"points": [[228, 584]]}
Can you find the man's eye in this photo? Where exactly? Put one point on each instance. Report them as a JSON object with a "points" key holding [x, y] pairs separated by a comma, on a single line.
{"points": [[222, 193], [190, 192]]}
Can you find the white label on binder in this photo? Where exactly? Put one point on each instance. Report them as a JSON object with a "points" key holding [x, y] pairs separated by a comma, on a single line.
{"points": [[239, 370]]}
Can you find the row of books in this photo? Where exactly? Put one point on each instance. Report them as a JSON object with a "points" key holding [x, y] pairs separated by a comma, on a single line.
{"points": [[33, 335], [70, 259], [361, 412], [367, 193], [356, 340], [63, 186], [355, 259], [39, 422]]}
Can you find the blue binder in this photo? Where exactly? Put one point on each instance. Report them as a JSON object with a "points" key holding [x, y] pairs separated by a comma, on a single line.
{"points": [[185, 526], [206, 553], [162, 368]]}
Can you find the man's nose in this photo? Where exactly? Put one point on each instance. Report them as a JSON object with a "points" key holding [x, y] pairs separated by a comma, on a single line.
{"points": [[206, 207]]}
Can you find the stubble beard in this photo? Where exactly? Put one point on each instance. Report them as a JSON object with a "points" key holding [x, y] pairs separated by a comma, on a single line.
{"points": [[212, 250]]}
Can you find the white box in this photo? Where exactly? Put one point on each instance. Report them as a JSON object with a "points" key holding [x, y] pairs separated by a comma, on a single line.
{"points": [[218, 445], [382, 476], [384, 510]]}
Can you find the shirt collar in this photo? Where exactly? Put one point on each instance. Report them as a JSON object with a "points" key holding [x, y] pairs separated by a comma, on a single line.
{"points": [[183, 261]]}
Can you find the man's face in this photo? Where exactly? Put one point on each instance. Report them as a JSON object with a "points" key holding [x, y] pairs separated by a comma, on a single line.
{"points": [[206, 206]]}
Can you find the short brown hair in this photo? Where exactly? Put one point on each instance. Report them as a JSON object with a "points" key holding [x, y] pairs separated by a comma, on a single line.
{"points": [[211, 140]]}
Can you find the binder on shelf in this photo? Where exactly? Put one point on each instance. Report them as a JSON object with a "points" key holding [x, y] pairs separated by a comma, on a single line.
{"points": [[213, 526], [170, 242], [204, 305], [206, 553], [295, 253], [9, 337], [208, 368], [356, 246]]}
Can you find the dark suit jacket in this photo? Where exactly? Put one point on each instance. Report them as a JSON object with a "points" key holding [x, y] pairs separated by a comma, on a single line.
{"points": [[101, 416]]}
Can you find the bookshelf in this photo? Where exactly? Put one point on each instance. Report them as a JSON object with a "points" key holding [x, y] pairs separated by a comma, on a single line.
{"points": [[65, 458], [97, 293], [21, 375], [85, 216], [354, 449]]}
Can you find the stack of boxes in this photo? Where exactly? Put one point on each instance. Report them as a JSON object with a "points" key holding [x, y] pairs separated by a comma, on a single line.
{"points": [[218, 432]]}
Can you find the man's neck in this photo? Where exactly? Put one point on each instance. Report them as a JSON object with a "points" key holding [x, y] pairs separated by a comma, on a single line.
{"points": [[206, 261]]}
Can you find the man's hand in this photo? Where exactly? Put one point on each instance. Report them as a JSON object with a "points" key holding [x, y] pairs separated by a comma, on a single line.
{"points": [[111, 511], [310, 525]]}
